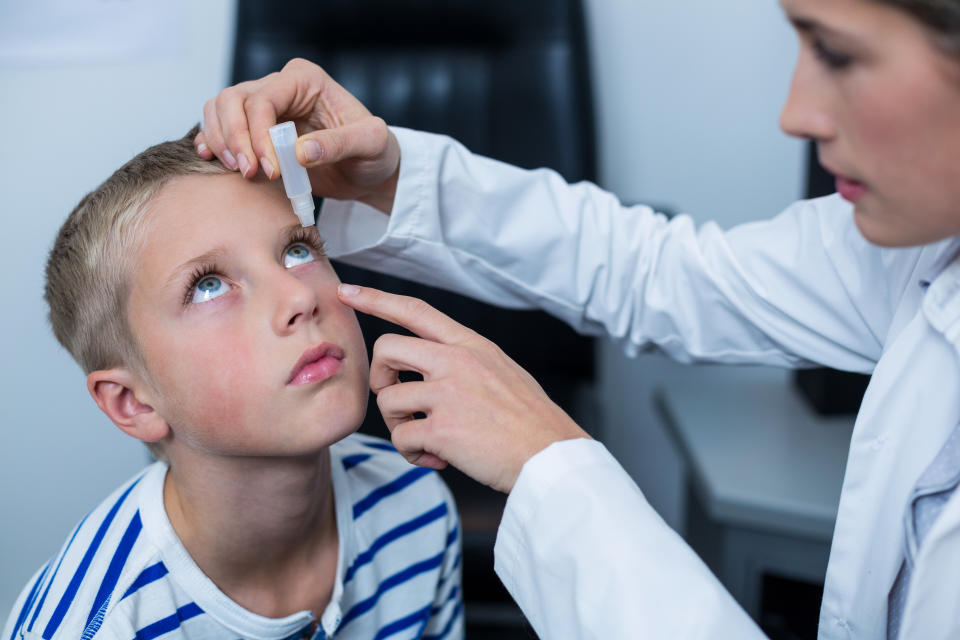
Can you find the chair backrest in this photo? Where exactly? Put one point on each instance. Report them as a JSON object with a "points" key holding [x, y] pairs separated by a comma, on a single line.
{"points": [[508, 78], [828, 391]]}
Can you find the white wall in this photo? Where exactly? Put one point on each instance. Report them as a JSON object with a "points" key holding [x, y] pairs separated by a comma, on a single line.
{"points": [[68, 123], [687, 94]]}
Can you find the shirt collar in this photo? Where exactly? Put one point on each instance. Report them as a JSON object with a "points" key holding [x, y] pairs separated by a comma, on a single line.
{"points": [[941, 303], [947, 252]]}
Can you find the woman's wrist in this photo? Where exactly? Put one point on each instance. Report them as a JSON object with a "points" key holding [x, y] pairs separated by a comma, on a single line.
{"points": [[383, 197]]}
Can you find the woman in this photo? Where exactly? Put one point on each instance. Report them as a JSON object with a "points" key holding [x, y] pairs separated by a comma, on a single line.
{"points": [[865, 281]]}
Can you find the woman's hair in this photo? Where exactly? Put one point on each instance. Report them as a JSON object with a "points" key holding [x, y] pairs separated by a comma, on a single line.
{"points": [[941, 17]]}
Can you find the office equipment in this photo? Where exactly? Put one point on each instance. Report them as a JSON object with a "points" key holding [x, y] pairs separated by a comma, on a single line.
{"points": [[764, 475]]}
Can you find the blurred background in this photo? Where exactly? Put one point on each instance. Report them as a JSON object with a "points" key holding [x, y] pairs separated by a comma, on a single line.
{"points": [[674, 104]]}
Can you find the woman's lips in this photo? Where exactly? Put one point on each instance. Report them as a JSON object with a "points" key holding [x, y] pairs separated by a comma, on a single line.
{"points": [[316, 364], [850, 189]]}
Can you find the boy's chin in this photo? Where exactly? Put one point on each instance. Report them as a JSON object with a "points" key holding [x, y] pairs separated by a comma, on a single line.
{"points": [[331, 426]]}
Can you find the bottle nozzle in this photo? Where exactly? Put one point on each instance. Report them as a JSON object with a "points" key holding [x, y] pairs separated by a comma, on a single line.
{"points": [[296, 182], [303, 207]]}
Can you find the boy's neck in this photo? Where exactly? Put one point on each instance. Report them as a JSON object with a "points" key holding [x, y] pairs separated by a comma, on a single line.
{"points": [[264, 530]]}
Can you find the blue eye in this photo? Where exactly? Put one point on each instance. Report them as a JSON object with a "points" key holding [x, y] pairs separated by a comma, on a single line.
{"points": [[298, 254], [208, 288]]}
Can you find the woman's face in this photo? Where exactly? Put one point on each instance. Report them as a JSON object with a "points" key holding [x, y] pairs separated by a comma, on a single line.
{"points": [[883, 104]]}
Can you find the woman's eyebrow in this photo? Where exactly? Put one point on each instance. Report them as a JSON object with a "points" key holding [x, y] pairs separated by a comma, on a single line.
{"points": [[804, 24]]}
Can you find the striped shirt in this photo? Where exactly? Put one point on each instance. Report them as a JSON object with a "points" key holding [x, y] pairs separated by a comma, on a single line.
{"points": [[124, 575]]}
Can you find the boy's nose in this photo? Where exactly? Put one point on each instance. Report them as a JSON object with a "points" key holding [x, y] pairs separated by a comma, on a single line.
{"points": [[296, 305]]}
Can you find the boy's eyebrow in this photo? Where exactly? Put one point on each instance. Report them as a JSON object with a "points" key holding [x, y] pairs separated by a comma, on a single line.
{"points": [[215, 254], [292, 230], [210, 257], [289, 230], [295, 229]]}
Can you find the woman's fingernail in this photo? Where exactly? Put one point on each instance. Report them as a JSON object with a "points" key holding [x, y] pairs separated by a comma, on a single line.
{"points": [[229, 160], [267, 167], [348, 290], [311, 150], [244, 164], [201, 148]]}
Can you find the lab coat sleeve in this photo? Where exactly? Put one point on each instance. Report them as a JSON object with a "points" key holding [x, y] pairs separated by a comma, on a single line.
{"points": [[585, 556], [804, 287]]}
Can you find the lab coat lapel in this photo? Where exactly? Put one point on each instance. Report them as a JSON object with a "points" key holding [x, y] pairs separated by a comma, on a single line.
{"points": [[932, 610], [893, 441], [941, 305]]}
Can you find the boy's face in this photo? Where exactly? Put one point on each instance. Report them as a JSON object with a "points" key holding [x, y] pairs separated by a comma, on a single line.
{"points": [[229, 298]]}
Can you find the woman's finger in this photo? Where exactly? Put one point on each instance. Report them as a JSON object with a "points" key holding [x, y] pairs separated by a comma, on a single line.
{"points": [[408, 312], [363, 139], [393, 353], [411, 439], [262, 114], [235, 130], [399, 402], [200, 144], [214, 135]]}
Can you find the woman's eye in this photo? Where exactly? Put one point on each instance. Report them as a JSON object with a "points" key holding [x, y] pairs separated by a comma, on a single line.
{"points": [[833, 59], [298, 254], [208, 288]]}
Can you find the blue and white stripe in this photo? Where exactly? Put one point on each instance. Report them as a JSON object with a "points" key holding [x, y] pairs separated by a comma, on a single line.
{"points": [[119, 576]]}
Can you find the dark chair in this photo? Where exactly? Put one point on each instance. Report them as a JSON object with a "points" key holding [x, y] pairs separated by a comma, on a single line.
{"points": [[507, 78], [829, 392]]}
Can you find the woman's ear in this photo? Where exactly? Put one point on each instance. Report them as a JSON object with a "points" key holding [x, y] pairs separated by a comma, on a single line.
{"points": [[122, 396]]}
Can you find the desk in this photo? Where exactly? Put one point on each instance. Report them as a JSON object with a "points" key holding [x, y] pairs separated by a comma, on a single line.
{"points": [[764, 475]]}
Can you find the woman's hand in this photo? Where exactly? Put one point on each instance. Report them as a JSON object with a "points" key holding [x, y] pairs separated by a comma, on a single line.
{"points": [[350, 154], [485, 415]]}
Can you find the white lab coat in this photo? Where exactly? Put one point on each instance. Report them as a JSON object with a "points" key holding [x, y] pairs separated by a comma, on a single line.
{"points": [[579, 548]]}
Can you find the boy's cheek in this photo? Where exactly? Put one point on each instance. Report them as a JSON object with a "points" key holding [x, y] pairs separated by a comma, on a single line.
{"points": [[213, 410], [223, 375], [210, 375]]}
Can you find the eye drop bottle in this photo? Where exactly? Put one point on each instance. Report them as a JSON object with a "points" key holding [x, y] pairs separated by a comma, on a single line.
{"points": [[295, 180]]}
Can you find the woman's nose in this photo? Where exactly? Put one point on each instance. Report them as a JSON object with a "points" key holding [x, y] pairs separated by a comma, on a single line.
{"points": [[806, 112]]}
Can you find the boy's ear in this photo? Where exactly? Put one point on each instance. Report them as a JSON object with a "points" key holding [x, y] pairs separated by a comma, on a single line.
{"points": [[121, 395]]}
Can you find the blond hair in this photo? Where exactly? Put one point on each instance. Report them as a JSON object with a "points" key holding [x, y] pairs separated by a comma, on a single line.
{"points": [[88, 270]]}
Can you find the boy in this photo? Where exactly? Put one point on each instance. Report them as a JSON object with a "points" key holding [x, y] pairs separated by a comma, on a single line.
{"points": [[208, 323]]}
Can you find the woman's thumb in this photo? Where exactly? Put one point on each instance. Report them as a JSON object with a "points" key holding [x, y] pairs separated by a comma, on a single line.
{"points": [[366, 138]]}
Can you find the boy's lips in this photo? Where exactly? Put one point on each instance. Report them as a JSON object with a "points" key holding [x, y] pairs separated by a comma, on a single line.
{"points": [[316, 364]]}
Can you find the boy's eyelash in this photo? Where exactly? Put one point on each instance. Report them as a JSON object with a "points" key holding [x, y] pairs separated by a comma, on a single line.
{"points": [[200, 272], [307, 236], [300, 235]]}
